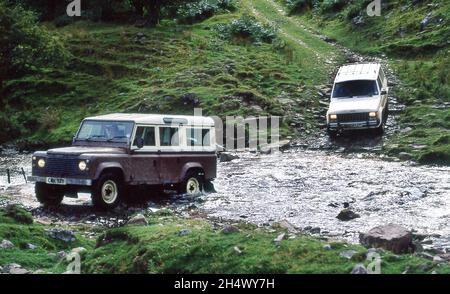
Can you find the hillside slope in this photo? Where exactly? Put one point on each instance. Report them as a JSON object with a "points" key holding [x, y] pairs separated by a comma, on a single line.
{"points": [[414, 36], [169, 69]]}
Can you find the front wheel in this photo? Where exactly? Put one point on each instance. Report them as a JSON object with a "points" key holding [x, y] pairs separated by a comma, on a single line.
{"points": [[192, 184], [107, 191], [49, 195]]}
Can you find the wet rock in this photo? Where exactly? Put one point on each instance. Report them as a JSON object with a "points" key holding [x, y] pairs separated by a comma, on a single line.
{"points": [[14, 269], [6, 244], [327, 247], [184, 232], [225, 157], [359, 269], [30, 246], [438, 259], [138, 220], [229, 229], [358, 20], [61, 254], [347, 254], [190, 99], [425, 21], [287, 225], [390, 237], [279, 238], [61, 234], [347, 214], [405, 156]]}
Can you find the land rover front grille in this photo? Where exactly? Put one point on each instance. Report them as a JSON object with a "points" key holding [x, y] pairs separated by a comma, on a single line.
{"points": [[56, 166], [351, 117]]}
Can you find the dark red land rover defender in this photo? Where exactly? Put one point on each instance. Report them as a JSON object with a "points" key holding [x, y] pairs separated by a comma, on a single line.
{"points": [[112, 152]]}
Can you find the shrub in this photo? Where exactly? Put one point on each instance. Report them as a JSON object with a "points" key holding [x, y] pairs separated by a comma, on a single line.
{"points": [[24, 45], [297, 6], [200, 10], [247, 28]]}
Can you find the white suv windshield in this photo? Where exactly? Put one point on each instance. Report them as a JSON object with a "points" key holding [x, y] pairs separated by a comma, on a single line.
{"points": [[351, 89], [105, 131]]}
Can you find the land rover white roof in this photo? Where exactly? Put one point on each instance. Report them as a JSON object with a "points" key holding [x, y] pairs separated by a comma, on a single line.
{"points": [[156, 119], [360, 71]]}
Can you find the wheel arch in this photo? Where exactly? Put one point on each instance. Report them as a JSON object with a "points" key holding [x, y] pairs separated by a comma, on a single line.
{"points": [[191, 167], [113, 167]]}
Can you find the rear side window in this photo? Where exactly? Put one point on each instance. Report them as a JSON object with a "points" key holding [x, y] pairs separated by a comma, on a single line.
{"points": [[198, 137], [146, 133], [169, 136]]}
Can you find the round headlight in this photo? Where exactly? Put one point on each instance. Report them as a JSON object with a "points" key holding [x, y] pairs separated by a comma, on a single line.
{"points": [[333, 116], [41, 163], [82, 165], [372, 114]]}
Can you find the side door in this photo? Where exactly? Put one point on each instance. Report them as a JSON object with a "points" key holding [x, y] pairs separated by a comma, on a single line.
{"points": [[145, 161], [170, 153]]}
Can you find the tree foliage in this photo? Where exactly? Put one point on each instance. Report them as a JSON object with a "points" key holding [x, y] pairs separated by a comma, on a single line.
{"points": [[24, 44]]}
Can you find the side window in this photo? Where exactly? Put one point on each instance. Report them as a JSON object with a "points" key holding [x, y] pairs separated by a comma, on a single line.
{"points": [[169, 136], [380, 82], [198, 137], [146, 133]]}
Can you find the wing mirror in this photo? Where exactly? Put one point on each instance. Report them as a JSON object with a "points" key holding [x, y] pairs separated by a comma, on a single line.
{"points": [[140, 142]]}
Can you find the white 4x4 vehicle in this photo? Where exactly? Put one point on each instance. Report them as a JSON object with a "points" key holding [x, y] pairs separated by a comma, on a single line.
{"points": [[359, 99]]}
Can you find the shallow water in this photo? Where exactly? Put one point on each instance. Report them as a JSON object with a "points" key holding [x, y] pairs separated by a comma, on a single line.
{"points": [[306, 188], [309, 189]]}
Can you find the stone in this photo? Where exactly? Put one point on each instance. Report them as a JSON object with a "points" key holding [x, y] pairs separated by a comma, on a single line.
{"points": [[404, 156], [190, 99], [359, 269], [327, 247], [438, 259], [346, 215], [61, 234], [226, 157], [229, 229], [279, 238], [287, 225], [237, 250], [138, 220], [39, 272], [61, 254], [184, 232], [391, 237], [6, 244], [31, 246], [347, 254]]}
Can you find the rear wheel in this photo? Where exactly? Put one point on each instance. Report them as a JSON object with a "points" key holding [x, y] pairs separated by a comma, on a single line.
{"points": [[107, 191], [192, 184], [49, 195]]}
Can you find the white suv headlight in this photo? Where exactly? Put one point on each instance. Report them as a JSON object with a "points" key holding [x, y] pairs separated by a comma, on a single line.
{"points": [[82, 165], [372, 114], [41, 163]]}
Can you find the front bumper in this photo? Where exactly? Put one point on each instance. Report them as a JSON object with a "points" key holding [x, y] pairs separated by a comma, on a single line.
{"points": [[68, 181], [354, 125]]}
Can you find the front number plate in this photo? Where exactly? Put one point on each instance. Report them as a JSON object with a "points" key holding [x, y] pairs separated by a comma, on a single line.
{"points": [[56, 181]]}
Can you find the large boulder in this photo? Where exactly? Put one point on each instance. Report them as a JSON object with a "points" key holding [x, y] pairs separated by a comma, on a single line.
{"points": [[347, 214], [6, 244], [61, 234], [138, 220], [390, 237]]}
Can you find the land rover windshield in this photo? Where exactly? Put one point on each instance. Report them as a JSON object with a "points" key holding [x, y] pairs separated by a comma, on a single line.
{"points": [[105, 131], [358, 88]]}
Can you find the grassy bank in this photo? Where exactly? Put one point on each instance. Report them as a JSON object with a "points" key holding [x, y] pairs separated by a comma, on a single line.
{"points": [[168, 69], [171, 244], [418, 55]]}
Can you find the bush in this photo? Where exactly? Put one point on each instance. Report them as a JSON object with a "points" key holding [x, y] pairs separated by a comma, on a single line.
{"points": [[24, 45], [200, 10], [297, 6], [248, 28]]}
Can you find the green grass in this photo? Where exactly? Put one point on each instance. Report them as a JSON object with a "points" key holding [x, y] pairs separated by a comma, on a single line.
{"points": [[419, 59], [20, 233], [159, 248], [112, 72]]}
